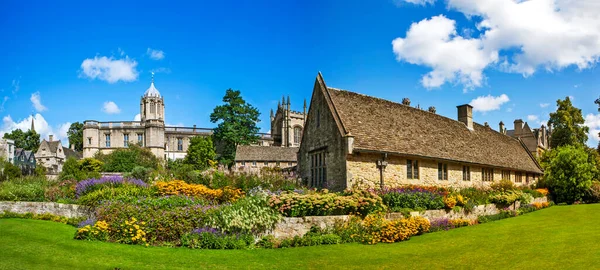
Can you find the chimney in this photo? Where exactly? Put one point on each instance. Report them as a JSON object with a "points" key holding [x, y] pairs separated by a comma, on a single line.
{"points": [[502, 130], [406, 101], [465, 115], [432, 109], [50, 137], [518, 127], [486, 124]]}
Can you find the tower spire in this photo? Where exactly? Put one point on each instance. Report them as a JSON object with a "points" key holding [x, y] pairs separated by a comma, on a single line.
{"points": [[32, 125], [152, 77]]}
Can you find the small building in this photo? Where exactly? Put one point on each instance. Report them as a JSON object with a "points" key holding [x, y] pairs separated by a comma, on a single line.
{"points": [[7, 150], [352, 139], [537, 140], [254, 158], [52, 155], [25, 160]]}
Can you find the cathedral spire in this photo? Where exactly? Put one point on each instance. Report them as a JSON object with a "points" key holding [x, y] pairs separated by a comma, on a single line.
{"points": [[32, 125]]}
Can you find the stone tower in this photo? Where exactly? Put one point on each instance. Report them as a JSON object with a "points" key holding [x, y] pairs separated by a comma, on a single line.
{"points": [[152, 112], [287, 125]]}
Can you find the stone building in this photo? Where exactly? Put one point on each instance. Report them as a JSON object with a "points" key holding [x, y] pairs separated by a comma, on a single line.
{"points": [[52, 155], [166, 142], [7, 150], [25, 160], [352, 139], [253, 159], [537, 140], [287, 125]]}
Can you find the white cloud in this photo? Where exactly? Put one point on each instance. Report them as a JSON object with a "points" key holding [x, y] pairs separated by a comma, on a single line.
{"points": [[110, 107], [509, 109], [414, 2], [532, 118], [155, 54], [109, 69], [41, 127], [161, 70], [16, 85], [137, 117], [435, 43], [544, 105], [593, 122], [488, 103], [36, 100], [6, 98], [528, 35]]}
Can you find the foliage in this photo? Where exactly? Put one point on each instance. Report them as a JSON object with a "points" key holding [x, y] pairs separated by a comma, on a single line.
{"points": [[449, 202], [75, 135], [510, 196], [413, 197], [569, 174], [178, 187], [140, 172], [502, 215], [72, 170], [503, 185], [163, 223], [593, 194], [30, 188], [248, 215], [444, 224], [9, 171], [124, 192], [98, 231], [237, 124], [201, 153], [45, 216], [210, 238], [40, 170], [312, 238], [93, 184], [28, 140], [324, 203], [374, 228], [124, 160], [61, 191], [543, 191], [567, 125], [91, 165]]}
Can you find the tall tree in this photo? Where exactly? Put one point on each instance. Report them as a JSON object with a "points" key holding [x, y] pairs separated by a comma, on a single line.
{"points": [[598, 103], [201, 153], [28, 140], [75, 135], [567, 125], [237, 124]]}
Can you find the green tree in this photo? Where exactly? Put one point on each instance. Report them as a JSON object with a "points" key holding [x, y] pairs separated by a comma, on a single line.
{"points": [[569, 173], [598, 103], [237, 124], [124, 160], [9, 171], [567, 125], [28, 140], [75, 135], [201, 153], [91, 165], [72, 170]]}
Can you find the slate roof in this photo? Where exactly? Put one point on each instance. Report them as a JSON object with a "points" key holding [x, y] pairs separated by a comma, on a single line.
{"points": [[266, 153], [383, 126], [72, 153]]}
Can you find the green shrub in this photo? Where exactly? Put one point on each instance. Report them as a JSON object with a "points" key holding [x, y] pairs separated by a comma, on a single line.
{"points": [[9, 171], [124, 160], [569, 174], [406, 198], [502, 215], [267, 241], [511, 196], [141, 173], [216, 240], [250, 214], [30, 188], [61, 191], [593, 194], [124, 192], [503, 185], [324, 204], [91, 165], [475, 195]]}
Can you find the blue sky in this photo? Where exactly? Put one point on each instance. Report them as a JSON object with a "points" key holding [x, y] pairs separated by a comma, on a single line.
{"points": [[65, 61]]}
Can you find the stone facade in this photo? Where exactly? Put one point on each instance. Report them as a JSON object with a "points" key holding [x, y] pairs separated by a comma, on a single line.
{"points": [[287, 125], [52, 155], [537, 140], [166, 142], [59, 209], [7, 150]]}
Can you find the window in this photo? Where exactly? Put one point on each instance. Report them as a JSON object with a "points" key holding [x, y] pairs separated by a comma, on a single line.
{"points": [[527, 178], [442, 171], [289, 164], [487, 175], [318, 169], [318, 118], [47, 159], [277, 163], [518, 177], [126, 140], [297, 135], [89, 140], [107, 140], [140, 139], [243, 163], [505, 175], [152, 108], [266, 163], [466, 173], [253, 163], [179, 144], [412, 169]]}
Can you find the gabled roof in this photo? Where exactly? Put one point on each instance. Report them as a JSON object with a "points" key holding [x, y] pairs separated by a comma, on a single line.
{"points": [[384, 126], [266, 153], [70, 153]]}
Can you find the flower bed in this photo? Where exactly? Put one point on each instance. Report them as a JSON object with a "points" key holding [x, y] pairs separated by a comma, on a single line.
{"points": [[325, 204]]}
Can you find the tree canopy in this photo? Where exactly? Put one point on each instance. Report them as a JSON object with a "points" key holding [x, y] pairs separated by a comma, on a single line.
{"points": [[28, 140], [567, 125], [237, 124], [201, 153], [124, 160], [569, 173], [75, 135]]}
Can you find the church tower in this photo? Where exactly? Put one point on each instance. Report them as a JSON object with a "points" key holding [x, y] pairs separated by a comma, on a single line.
{"points": [[152, 111]]}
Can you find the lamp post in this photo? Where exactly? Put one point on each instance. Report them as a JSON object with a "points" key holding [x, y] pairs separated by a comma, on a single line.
{"points": [[381, 164]]}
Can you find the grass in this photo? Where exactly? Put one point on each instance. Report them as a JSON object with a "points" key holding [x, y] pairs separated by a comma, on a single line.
{"points": [[560, 237]]}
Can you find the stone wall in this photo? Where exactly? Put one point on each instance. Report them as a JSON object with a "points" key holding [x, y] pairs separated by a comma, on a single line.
{"points": [[363, 171], [59, 209], [298, 226]]}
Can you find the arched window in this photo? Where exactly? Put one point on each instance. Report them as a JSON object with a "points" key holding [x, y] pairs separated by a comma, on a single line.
{"points": [[297, 134]]}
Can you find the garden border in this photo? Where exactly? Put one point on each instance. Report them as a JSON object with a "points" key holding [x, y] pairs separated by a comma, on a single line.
{"points": [[59, 209]]}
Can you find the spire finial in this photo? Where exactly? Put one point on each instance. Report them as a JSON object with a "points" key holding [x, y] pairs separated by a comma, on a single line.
{"points": [[152, 76]]}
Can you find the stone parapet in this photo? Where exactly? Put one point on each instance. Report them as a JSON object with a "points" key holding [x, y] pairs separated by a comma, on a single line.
{"points": [[59, 209]]}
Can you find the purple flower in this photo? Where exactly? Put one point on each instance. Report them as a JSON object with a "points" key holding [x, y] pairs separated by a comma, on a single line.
{"points": [[90, 184], [89, 221]]}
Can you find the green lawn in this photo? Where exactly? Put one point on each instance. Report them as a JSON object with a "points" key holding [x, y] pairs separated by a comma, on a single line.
{"points": [[560, 237]]}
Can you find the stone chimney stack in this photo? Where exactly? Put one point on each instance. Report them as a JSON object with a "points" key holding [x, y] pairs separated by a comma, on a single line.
{"points": [[431, 109], [465, 115], [406, 101], [518, 127], [502, 129], [50, 137]]}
